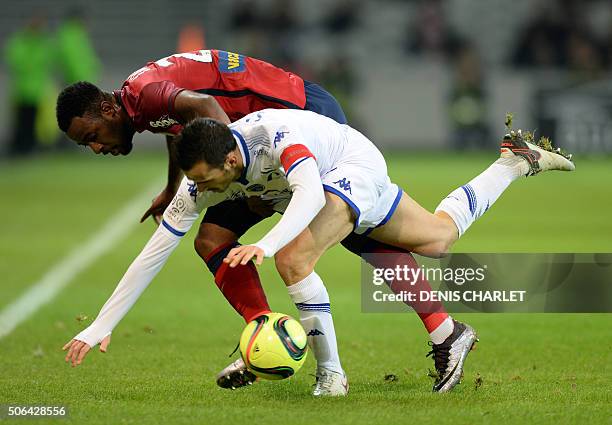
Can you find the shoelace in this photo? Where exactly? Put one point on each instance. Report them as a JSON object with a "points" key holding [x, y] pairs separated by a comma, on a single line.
{"points": [[324, 381], [441, 354]]}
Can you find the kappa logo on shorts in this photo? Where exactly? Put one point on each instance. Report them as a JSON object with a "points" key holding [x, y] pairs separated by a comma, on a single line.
{"points": [[344, 185], [231, 62]]}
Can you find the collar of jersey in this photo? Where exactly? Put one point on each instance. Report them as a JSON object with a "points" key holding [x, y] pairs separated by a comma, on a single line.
{"points": [[244, 150]]}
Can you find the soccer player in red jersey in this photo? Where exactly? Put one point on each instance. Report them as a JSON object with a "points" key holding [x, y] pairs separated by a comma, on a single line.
{"points": [[166, 94]]}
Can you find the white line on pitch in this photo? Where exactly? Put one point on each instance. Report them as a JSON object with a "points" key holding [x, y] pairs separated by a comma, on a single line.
{"points": [[68, 268]]}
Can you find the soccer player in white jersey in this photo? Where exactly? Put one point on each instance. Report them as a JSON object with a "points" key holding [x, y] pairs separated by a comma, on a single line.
{"points": [[329, 180]]}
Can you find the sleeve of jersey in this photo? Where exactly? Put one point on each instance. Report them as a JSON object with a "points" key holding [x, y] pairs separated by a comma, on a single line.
{"points": [[306, 201], [178, 218], [156, 100], [294, 155]]}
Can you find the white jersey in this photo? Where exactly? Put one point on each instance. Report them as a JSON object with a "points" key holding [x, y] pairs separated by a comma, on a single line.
{"points": [[273, 143], [290, 157], [262, 138]]}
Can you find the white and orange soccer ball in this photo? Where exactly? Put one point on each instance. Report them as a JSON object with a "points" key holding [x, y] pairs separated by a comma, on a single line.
{"points": [[273, 346]]}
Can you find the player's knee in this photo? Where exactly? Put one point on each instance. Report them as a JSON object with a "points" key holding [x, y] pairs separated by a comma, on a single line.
{"points": [[204, 246], [436, 249], [442, 243], [291, 268]]}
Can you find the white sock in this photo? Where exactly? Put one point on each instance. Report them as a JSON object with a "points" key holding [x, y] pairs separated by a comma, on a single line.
{"points": [[311, 298], [443, 331], [469, 202]]}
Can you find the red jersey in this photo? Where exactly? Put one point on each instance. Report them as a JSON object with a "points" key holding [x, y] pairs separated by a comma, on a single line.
{"points": [[239, 83]]}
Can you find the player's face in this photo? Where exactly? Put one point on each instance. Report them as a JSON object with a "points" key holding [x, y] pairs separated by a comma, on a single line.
{"points": [[210, 178], [103, 134]]}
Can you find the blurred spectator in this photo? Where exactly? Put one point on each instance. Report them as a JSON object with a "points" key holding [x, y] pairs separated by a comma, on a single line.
{"points": [[248, 28], [282, 25], [339, 78], [560, 37], [244, 16], [77, 57], [281, 18], [343, 17], [544, 42], [191, 37], [468, 102], [585, 57], [430, 33], [29, 57], [607, 47]]}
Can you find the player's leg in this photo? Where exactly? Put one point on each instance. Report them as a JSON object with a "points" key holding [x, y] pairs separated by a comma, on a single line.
{"points": [[435, 319], [219, 231], [295, 263], [413, 228]]}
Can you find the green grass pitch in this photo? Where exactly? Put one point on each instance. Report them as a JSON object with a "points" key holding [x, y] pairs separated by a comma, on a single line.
{"points": [[160, 368]]}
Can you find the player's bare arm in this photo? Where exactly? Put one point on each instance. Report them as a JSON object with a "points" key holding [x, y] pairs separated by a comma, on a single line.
{"points": [[161, 201], [136, 279], [189, 105]]}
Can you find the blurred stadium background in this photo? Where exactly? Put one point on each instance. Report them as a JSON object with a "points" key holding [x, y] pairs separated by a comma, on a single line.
{"points": [[411, 74]]}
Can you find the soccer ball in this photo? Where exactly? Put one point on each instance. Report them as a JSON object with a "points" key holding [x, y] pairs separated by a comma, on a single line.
{"points": [[273, 346]]}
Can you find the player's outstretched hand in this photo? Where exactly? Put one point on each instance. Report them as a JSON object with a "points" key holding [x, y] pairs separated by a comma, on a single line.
{"points": [[159, 205], [77, 350], [243, 254]]}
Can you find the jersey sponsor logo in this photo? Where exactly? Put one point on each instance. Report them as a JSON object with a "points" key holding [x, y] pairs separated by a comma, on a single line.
{"points": [[231, 62], [276, 194], [236, 194], [164, 121], [255, 188], [260, 152], [272, 175], [314, 332], [344, 184]]}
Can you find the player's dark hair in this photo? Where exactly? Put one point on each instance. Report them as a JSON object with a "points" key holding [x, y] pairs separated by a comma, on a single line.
{"points": [[204, 139], [76, 100]]}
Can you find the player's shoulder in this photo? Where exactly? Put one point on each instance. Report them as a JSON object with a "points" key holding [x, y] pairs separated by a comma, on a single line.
{"points": [[264, 125], [265, 119]]}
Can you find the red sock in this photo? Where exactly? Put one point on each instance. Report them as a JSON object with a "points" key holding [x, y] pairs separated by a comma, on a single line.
{"points": [[240, 285], [432, 313]]}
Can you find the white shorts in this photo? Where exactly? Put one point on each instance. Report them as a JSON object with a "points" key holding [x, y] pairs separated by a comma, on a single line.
{"points": [[361, 180]]}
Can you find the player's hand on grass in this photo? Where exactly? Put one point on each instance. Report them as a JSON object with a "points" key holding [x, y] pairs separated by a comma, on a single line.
{"points": [[159, 205], [77, 350], [244, 254]]}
